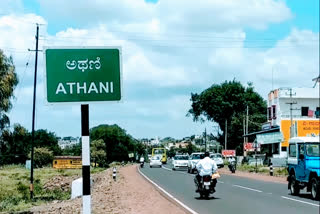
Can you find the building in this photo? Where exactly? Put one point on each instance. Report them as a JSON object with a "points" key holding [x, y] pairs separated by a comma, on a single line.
{"points": [[291, 112], [68, 141]]}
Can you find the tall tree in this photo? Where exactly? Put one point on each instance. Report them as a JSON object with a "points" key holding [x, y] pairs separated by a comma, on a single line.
{"points": [[44, 138], [14, 146], [8, 81], [228, 102], [118, 142]]}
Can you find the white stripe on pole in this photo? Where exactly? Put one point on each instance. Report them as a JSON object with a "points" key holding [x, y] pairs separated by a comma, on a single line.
{"points": [[86, 203], [85, 151]]}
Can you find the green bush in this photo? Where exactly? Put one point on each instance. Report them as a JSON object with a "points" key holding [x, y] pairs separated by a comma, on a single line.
{"points": [[42, 157]]}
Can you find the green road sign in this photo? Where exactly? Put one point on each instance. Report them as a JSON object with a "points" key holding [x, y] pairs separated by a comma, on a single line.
{"points": [[82, 74]]}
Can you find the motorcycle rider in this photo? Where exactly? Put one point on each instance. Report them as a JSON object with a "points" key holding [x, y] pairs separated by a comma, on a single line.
{"points": [[205, 166], [232, 163], [141, 161]]}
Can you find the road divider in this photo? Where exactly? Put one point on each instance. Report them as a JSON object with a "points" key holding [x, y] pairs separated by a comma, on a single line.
{"points": [[292, 199], [168, 194], [255, 190]]}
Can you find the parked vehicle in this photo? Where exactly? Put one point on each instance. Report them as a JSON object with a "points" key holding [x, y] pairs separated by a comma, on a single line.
{"points": [[193, 160], [206, 186], [180, 162], [155, 161], [303, 165], [217, 157]]}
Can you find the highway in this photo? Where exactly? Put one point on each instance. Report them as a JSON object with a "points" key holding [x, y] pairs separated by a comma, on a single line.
{"points": [[233, 194]]}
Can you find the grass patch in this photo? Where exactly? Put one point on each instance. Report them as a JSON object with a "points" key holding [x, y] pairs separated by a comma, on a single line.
{"points": [[15, 181], [277, 171]]}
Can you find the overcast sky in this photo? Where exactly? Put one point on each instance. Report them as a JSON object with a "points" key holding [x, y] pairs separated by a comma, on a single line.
{"points": [[170, 50]]}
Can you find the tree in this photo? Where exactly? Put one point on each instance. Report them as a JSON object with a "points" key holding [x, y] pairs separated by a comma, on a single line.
{"points": [[191, 148], [98, 152], [228, 102], [44, 138], [8, 81], [118, 143], [74, 150], [14, 146], [42, 157]]}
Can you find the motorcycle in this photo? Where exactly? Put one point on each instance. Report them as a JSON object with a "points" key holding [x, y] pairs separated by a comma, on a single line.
{"points": [[141, 164], [232, 166], [206, 186]]}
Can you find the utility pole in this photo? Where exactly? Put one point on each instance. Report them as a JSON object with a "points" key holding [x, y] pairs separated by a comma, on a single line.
{"points": [[247, 125], [225, 134], [244, 138], [33, 111], [291, 119], [205, 140]]}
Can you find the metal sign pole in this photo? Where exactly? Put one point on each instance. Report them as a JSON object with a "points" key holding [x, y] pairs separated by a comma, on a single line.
{"points": [[86, 198]]}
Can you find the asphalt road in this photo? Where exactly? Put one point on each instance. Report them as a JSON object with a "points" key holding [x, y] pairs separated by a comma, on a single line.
{"points": [[233, 194]]}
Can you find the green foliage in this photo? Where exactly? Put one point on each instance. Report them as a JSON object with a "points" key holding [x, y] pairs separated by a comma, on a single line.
{"points": [[98, 152], [74, 150], [42, 157], [228, 101], [189, 149], [14, 187], [44, 138], [14, 146], [8, 81], [277, 171], [118, 143]]}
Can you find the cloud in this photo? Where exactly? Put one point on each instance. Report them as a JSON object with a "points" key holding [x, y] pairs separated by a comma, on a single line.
{"points": [[293, 61], [178, 15], [169, 49]]}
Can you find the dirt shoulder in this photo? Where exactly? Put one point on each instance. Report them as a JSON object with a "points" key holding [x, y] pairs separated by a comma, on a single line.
{"points": [[256, 176], [129, 194]]}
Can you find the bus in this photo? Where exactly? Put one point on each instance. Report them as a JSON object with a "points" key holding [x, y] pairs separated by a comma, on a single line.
{"points": [[161, 152]]}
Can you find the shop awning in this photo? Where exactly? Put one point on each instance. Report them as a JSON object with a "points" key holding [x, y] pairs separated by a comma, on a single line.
{"points": [[276, 129], [268, 138]]}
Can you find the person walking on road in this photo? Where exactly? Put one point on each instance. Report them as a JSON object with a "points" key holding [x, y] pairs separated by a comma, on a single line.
{"points": [[205, 166]]}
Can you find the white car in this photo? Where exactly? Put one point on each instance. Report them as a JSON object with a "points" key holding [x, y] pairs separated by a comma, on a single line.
{"points": [[155, 161], [218, 159], [180, 161], [193, 160]]}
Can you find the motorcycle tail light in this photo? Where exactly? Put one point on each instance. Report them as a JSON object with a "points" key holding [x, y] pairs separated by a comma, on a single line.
{"points": [[206, 179]]}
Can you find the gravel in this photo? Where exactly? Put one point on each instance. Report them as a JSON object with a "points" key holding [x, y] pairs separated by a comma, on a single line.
{"points": [[130, 193]]}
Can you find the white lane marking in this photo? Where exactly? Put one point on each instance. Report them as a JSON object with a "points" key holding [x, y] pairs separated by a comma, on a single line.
{"points": [[221, 182], [168, 194], [300, 201], [247, 188], [166, 168]]}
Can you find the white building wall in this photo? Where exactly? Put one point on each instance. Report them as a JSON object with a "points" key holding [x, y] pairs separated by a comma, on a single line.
{"points": [[284, 108], [304, 97]]}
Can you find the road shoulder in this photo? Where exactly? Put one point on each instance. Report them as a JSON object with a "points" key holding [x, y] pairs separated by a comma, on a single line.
{"points": [[255, 176]]}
